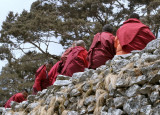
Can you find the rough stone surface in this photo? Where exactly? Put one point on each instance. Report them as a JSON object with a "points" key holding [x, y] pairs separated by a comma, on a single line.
{"points": [[126, 85], [133, 90]]}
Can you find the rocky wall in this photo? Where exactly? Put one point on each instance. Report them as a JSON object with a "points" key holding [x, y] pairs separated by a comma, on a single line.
{"points": [[126, 85]]}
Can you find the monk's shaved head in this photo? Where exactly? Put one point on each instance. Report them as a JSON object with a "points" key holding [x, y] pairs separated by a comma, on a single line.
{"points": [[107, 28], [80, 43], [134, 15]]}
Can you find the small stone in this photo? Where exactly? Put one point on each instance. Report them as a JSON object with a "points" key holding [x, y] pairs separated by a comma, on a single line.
{"points": [[85, 87], [63, 77], [132, 91], [72, 113], [75, 92], [83, 111], [156, 110], [146, 110], [91, 108], [144, 101], [62, 83], [66, 103], [154, 79], [154, 96], [132, 106], [113, 111], [31, 98], [89, 100], [73, 99], [145, 89], [119, 101]]}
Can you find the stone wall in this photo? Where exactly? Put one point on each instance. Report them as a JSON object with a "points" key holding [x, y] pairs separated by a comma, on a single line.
{"points": [[126, 85]]}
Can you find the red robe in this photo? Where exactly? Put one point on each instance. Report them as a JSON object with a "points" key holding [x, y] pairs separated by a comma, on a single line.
{"points": [[41, 81], [76, 61], [101, 50], [65, 54], [54, 72], [133, 35], [19, 97]]}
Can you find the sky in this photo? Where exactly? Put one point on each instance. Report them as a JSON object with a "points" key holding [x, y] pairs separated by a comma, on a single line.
{"points": [[17, 6]]}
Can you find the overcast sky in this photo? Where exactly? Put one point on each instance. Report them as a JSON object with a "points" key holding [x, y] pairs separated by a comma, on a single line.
{"points": [[17, 6]]}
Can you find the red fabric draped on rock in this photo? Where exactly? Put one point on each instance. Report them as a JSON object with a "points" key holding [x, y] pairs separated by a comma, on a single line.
{"points": [[41, 80], [53, 73], [19, 97], [76, 61], [101, 50], [133, 35]]}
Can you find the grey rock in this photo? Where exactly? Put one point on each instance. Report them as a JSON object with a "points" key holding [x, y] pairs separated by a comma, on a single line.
{"points": [[146, 110], [31, 98], [121, 83], [72, 113], [154, 96], [133, 90], [43, 92], [154, 44], [108, 63], [132, 106], [119, 101], [104, 113], [13, 104], [149, 58], [61, 94], [2, 109], [75, 92], [73, 107], [145, 89], [113, 111], [66, 103], [89, 100], [118, 64], [63, 77], [48, 99], [61, 83], [157, 52], [141, 80], [24, 104], [91, 108], [85, 87], [83, 111], [154, 79], [31, 106], [136, 52], [94, 76], [79, 77], [145, 101], [156, 110], [100, 69], [73, 99], [109, 102]]}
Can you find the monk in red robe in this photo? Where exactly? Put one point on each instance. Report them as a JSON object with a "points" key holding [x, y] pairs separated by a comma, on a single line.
{"points": [[19, 97], [132, 35], [102, 48], [42, 79], [76, 60], [57, 68]]}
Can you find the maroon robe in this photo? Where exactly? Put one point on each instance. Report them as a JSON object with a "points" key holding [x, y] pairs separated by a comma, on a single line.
{"points": [[133, 35], [41, 81], [54, 72], [76, 61], [101, 50], [19, 97]]}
